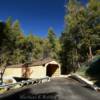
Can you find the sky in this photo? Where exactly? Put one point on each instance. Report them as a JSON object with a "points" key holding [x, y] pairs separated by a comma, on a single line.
{"points": [[36, 16]]}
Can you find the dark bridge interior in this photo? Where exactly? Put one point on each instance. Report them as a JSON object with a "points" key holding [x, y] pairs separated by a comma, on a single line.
{"points": [[51, 69]]}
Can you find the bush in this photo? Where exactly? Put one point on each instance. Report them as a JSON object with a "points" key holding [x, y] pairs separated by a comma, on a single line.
{"points": [[94, 69], [81, 71]]}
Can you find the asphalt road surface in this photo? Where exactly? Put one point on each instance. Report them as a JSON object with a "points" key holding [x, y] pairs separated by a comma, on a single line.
{"points": [[56, 89]]}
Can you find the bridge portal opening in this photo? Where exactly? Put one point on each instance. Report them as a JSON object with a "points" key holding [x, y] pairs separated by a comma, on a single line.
{"points": [[52, 70]]}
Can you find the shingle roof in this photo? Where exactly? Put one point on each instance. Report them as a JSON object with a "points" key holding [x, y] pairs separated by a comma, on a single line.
{"points": [[34, 63], [42, 61]]}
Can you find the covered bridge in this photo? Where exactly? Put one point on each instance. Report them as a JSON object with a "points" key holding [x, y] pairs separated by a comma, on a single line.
{"points": [[37, 69]]}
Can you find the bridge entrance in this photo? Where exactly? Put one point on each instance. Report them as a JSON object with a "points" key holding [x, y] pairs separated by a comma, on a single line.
{"points": [[52, 70]]}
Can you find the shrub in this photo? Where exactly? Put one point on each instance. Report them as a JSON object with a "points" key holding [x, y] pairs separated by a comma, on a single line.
{"points": [[94, 69]]}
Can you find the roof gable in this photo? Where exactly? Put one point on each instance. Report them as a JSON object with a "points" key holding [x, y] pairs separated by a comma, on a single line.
{"points": [[35, 63]]}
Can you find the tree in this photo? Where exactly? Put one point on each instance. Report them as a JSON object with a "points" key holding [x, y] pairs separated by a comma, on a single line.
{"points": [[93, 22], [37, 51], [46, 49], [80, 29], [94, 70], [70, 38], [5, 43], [53, 43], [51, 38], [16, 28]]}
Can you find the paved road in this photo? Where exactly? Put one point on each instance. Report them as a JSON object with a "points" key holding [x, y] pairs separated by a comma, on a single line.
{"points": [[56, 89]]}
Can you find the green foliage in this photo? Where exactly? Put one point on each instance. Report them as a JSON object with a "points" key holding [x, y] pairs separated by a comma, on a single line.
{"points": [[82, 70], [94, 69], [53, 45], [79, 42], [15, 48], [52, 38], [81, 36]]}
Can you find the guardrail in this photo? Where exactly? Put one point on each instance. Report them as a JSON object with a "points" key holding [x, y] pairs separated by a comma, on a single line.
{"points": [[85, 81], [24, 83]]}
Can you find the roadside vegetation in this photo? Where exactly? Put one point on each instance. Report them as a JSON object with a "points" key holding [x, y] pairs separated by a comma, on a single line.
{"points": [[80, 40], [76, 48], [16, 48]]}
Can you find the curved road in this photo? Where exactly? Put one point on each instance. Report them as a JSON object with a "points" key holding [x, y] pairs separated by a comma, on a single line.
{"points": [[56, 89]]}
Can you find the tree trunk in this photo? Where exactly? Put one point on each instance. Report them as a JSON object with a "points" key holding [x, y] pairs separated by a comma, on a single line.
{"points": [[2, 72], [90, 56]]}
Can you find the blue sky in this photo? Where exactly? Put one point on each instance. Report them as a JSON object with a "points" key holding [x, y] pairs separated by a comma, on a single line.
{"points": [[35, 16]]}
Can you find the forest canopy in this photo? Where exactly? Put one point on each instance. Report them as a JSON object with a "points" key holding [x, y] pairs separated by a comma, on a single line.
{"points": [[79, 41], [16, 48]]}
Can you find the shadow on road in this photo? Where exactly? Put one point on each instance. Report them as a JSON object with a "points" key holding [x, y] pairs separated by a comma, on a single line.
{"points": [[27, 95]]}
